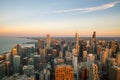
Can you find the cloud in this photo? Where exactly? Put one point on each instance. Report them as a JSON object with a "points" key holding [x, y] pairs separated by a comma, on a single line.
{"points": [[89, 9]]}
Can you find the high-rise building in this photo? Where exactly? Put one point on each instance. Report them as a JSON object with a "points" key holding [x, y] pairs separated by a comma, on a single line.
{"points": [[14, 51], [84, 55], [45, 74], [74, 60], [94, 36], [93, 72], [7, 57], [99, 49], [114, 73], [68, 56], [118, 58], [109, 63], [42, 53], [90, 58], [109, 53], [113, 43], [36, 61], [64, 72], [77, 43], [48, 40], [83, 74], [40, 43], [103, 57], [7, 68], [2, 71], [16, 63], [28, 70]]}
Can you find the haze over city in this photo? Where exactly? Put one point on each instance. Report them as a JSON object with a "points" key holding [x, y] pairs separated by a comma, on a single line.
{"points": [[59, 18]]}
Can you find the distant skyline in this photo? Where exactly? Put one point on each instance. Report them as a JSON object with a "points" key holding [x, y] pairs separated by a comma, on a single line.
{"points": [[59, 17]]}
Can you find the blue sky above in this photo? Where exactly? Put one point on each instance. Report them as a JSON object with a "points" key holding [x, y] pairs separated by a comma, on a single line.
{"points": [[60, 17]]}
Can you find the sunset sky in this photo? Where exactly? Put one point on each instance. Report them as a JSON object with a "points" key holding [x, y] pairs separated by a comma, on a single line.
{"points": [[59, 17]]}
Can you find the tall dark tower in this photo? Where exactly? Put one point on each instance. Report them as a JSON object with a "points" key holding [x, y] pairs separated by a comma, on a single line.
{"points": [[94, 47], [94, 36]]}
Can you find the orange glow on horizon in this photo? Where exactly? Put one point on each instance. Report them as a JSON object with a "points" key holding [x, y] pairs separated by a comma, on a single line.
{"points": [[64, 32]]}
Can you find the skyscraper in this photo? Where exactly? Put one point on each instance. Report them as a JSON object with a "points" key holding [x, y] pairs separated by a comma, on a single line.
{"points": [[64, 72], [45, 74], [115, 73], [103, 57], [84, 55], [7, 57], [94, 37], [14, 51], [7, 68], [74, 60], [2, 71], [113, 46], [118, 58], [40, 43], [83, 74], [16, 63], [48, 40], [93, 72], [36, 61], [90, 58], [77, 43]]}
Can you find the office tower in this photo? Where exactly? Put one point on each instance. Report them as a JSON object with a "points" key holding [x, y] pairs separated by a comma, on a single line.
{"points": [[2, 71], [48, 40], [109, 63], [83, 73], [7, 68], [68, 56], [94, 37], [18, 46], [99, 49], [7, 57], [109, 53], [36, 61], [93, 72], [90, 58], [77, 43], [74, 59], [113, 43], [64, 72], [14, 51], [114, 73], [88, 44], [28, 70], [118, 59], [103, 57], [16, 63], [64, 49], [84, 55], [42, 53], [45, 74], [40, 43]]}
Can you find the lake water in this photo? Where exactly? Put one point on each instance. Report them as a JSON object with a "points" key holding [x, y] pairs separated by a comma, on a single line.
{"points": [[7, 43]]}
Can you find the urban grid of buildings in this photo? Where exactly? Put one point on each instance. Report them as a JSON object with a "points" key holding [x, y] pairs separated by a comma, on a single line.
{"points": [[56, 59]]}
